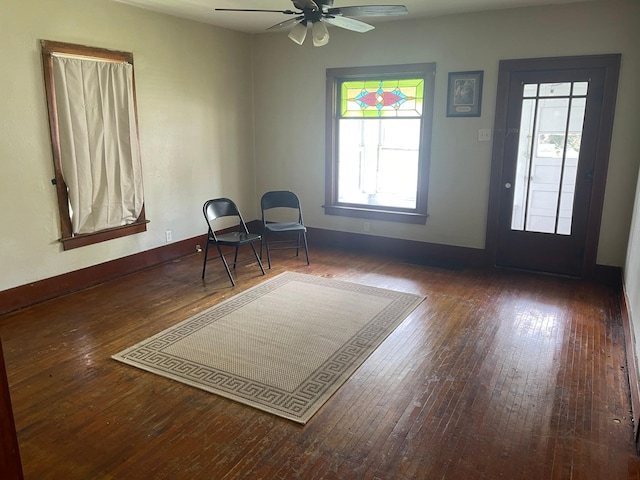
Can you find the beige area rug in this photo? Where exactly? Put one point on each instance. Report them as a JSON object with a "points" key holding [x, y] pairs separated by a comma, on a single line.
{"points": [[283, 346]]}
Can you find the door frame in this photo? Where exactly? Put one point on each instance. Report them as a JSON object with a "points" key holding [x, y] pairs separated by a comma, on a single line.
{"points": [[611, 65]]}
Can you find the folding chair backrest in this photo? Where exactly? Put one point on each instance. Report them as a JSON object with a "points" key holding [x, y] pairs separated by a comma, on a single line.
{"points": [[219, 208], [280, 199]]}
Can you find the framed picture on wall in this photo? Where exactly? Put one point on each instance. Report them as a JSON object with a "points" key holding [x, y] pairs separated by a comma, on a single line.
{"points": [[464, 97]]}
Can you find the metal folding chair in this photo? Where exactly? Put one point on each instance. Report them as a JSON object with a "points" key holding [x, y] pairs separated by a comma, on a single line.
{"points": [[282, 217], [221, 208]]}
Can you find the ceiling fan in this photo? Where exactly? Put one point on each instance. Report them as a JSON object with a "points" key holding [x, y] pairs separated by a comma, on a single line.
{"points": [[318, 12]]}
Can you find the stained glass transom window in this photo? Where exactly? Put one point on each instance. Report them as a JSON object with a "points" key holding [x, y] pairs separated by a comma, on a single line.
{"points": [[379, 121], [382, 98]]}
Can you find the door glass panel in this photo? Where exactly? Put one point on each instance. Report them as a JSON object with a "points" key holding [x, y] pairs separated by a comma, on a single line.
{"points": [[530, 90], [570, 170], [521, 184], [547, 161], [555, 89], [580, 88]]}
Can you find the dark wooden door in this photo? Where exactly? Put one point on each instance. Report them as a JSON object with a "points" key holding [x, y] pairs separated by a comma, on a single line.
{"points": [[555, 121]]}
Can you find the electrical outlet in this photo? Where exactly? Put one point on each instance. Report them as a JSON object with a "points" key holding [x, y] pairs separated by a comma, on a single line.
{"points": [[198, 249], [167, 235]]}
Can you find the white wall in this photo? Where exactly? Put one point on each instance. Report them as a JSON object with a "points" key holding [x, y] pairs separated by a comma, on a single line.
{"points": [[199, 88], [632, 271], [290, 109], [194, 89]]}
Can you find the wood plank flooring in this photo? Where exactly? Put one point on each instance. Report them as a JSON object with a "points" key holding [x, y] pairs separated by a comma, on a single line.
{"points": [[497, 374]]}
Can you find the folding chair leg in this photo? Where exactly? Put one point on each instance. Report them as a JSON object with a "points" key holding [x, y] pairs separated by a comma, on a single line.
{"points": [[235, 257], [306, 247], [266, 244], [204, 263], [255, 253], [226, 266]]}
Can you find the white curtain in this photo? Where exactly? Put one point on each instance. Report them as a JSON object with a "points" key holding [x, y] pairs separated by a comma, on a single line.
{"points": [[99, 149]]}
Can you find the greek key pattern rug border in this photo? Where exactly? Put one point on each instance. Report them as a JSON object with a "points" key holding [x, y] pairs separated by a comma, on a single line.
{"points": [[301, 403]]}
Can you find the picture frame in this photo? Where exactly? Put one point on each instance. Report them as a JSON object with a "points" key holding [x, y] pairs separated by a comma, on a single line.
{"points": [[464, 96]]}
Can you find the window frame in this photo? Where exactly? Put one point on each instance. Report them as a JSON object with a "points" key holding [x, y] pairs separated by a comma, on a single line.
{"points": [[68, 239], [335, 76]]}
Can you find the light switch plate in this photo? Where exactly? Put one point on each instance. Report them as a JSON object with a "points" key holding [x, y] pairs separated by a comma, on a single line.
{"points": [[484, 135]]}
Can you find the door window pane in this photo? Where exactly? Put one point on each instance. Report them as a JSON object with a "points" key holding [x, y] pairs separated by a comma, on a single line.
{"points": [[580, 88], [530, 90], [555, 89], [521, 184], [548, 152], [570, 170]]}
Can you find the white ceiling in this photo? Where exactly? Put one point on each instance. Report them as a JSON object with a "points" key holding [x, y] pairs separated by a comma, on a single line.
{"points": [[251, 22]]}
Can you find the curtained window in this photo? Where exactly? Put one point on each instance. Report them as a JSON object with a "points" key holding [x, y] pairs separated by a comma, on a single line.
{"points": [[94, 133]]}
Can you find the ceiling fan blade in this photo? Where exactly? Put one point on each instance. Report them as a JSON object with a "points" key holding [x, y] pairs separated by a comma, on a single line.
{"points": [[369, 10], [286, 23], [348, 23], [288, 12]]}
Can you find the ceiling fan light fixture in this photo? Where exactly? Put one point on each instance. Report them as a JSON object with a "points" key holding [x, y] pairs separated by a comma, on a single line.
{"points": [[299, 32], [315, 14], [320, 34]]}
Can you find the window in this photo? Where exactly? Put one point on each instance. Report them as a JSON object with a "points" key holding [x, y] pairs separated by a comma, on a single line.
{"points": [[378, 141], [94, 137], [551, 125]]}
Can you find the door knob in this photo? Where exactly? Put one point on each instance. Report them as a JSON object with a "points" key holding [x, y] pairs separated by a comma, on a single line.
{"points": [[507, 185]]}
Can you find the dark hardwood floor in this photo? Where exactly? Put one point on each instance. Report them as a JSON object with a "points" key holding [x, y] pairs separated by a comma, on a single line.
{"points": [[497, 374]]}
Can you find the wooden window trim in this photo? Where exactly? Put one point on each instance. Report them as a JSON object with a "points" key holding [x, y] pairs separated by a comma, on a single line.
{"points": [[332, 206], [69, 240]]}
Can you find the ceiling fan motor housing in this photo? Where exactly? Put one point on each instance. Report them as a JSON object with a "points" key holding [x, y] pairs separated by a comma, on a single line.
{"points": [[309, 5]]}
